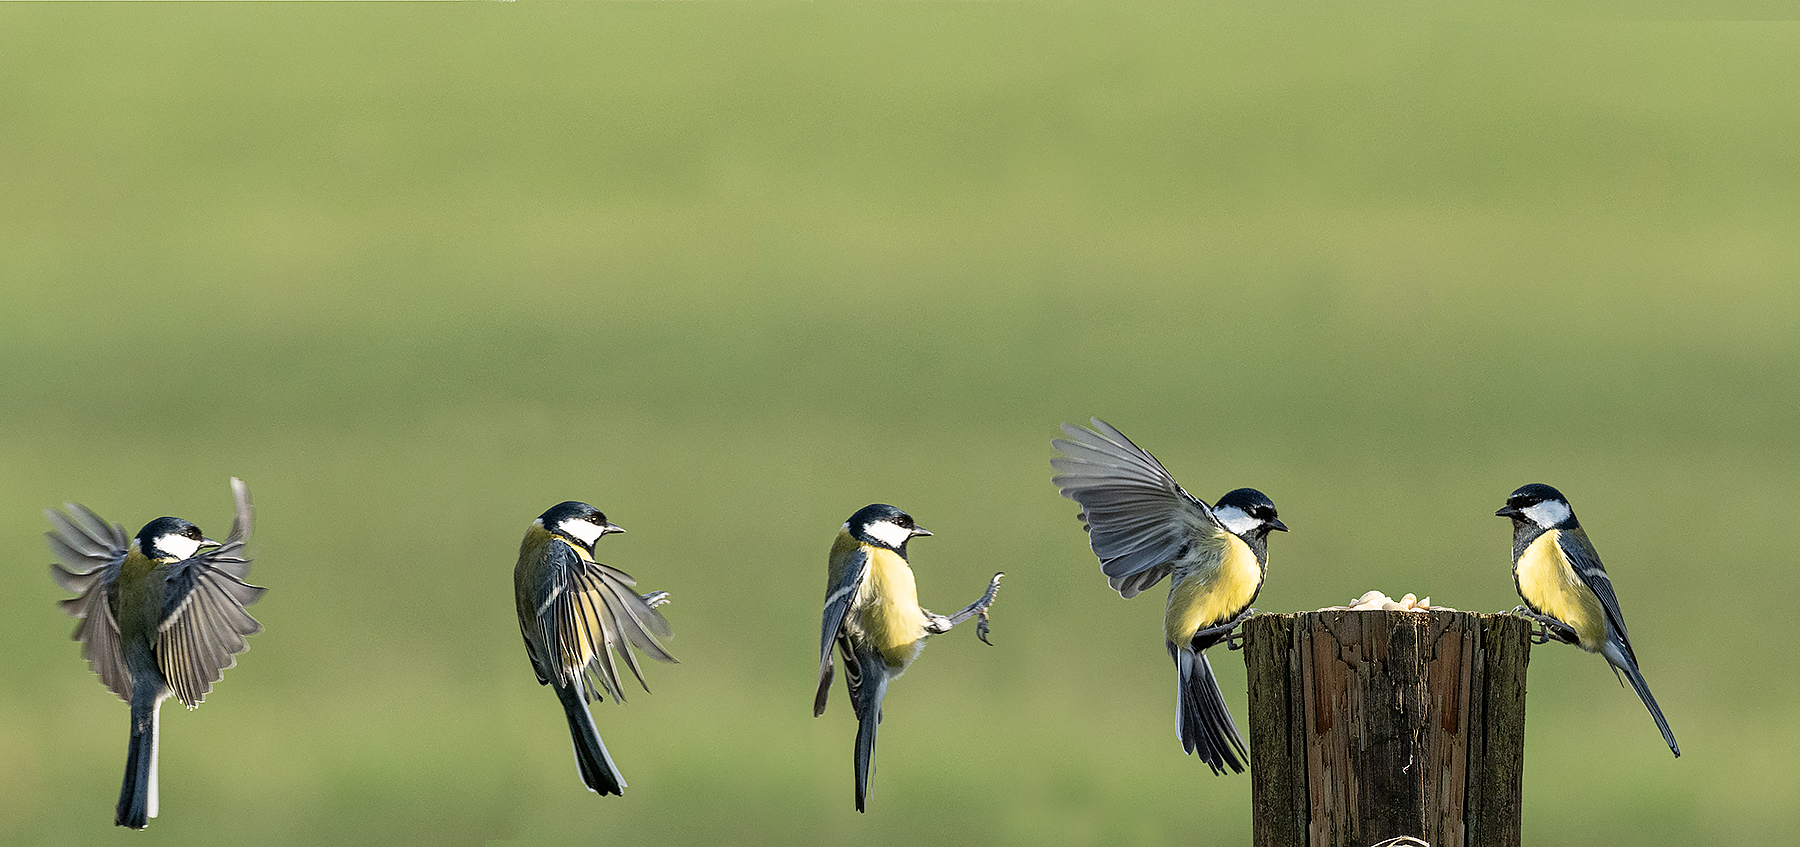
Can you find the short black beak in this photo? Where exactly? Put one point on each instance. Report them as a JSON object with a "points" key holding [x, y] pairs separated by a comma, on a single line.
{"points": [[608, 529], [1507, 512], [918, 530], [1277, 525], [207, 542]]}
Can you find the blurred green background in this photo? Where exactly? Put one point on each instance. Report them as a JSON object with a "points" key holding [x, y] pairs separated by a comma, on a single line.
{"points": [[732, 272]]}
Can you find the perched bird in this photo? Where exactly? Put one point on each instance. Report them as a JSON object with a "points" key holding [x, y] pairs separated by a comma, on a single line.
{"points": [[575, 613], [161, 615], [1557, 571], [872, 614], [1144, 526]]}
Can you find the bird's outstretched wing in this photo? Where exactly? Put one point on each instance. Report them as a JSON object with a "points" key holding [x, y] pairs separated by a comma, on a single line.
{"points": [[587, 615], [848, 567], [93, 549], [204, 622], [1138, 518]]}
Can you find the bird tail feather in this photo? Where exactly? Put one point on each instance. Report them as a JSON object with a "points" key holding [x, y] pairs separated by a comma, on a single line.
{"points": [[1621, 659], [1206, 728], [137, 794], [598, 772], [868, 717]]}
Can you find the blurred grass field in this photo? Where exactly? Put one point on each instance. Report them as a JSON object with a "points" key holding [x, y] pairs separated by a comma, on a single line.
{"points": [[731, 272]]}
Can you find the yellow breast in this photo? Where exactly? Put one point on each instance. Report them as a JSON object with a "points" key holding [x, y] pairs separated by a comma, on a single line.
{"points": [[1550, 585], [1213, 595], [887, 607]]}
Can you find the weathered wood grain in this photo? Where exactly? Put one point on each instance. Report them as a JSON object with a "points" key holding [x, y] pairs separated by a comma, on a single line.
{"points": [[1366, 726]]}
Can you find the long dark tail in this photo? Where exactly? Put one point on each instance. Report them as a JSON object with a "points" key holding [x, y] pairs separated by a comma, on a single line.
{"points": [[1622, 659], [1205, 722], [597, 769], [868, 717], [137, 794]]}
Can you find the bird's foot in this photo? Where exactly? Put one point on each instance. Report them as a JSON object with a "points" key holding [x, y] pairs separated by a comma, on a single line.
{"points": [[1233, 640], [1548, 628], [939, 624]]}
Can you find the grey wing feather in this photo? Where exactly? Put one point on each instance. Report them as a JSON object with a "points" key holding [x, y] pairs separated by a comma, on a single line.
{"points": [[837, 605], [644, 610], [1587, 565], [630, 615], [532, 630], [203, 627], [86, 542], [1138, 518], [87, 533], [590, 609], [99, 637], [204, 622], [229, 556]]}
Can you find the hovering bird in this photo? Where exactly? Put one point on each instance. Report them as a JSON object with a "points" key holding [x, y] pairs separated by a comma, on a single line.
{"points": [[1143, 527], [575, 613], [872, 614], [1567, 590], [161, 615]]}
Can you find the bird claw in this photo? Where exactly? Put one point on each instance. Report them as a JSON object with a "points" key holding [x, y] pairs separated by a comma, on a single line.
{"points": [[1234, 640], [1548, 629], [1227, 631], [982, 606], [939, 624]]}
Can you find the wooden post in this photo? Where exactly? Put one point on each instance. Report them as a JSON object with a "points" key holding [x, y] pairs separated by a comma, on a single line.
{"points": [[1368, 726]]}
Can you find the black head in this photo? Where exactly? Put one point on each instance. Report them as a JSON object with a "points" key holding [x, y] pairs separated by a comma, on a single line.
{"points": [[1539, 505], [883, 526], [1248, 513], [171, 539], [578, 522]]}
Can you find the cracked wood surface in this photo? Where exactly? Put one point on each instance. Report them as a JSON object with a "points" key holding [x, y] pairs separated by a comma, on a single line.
{"points": [[1365, 726]]}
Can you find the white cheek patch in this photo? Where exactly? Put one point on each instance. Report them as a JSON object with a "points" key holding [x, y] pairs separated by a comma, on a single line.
{"points": [[588, 533], [1548, 513], [1236, 520], [888, 532], [179, 546]]}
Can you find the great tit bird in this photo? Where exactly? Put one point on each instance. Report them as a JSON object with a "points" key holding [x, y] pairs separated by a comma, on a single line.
{"points": [[872, 614], [575, 613], [161, 615], [1557, 571], [1144, 526]]}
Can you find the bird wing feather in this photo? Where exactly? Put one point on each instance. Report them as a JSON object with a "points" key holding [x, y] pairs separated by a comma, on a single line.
{"points": [[94, 550], [587, 616], [1139, 520], [1575, 546], [838, 597], [204, 622]]}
